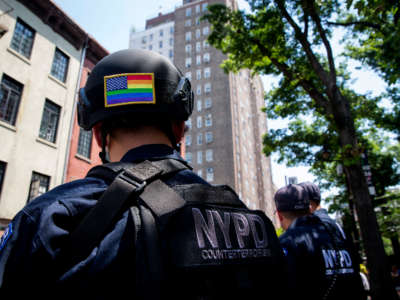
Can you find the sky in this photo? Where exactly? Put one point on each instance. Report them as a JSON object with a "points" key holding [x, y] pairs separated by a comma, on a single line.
{"points": [[109, 22]]}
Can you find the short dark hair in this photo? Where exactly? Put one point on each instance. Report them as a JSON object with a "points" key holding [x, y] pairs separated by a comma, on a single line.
{"points": [[292, 197], [313, 191]]}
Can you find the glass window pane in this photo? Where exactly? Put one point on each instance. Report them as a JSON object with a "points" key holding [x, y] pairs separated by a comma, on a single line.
{"points": [[85, 142], [10, 96], [22, 40], [49, 124], [39, 185], [59, 68], [3, 166]]}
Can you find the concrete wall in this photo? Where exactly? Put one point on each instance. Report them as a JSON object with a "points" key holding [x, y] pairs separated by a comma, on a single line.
{"points": [[22, 149]]}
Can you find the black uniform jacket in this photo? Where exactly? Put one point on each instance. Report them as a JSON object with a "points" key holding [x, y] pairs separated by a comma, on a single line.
{"points": [[29, 249], [321, 265]]}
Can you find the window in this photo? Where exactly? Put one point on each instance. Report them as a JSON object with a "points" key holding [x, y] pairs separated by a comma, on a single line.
{"points": [[10, 97], [171, 41], [188, 140], [151, 37], [188, 36], [199, 105], [49, 124], [161, 32], [171, 30], [85, 142], [208, 120], [209, 155], [198, 33], [59, 68], [206, 30], [188, 23], [39, 185], [150, 47], [197, 20], [200, 172], [198, 74], [3, 166], [199, 157], [206, 57], [144, 39], [207, 88], [22, 40], [208, 103], [188, 123], [206, 45], [210, 174], [209, 137], [188, 62], [160, 44], [199, 122], [198, 90], [198, 46], [188, 75], [204, 6], [197, 8], [188, 48], [207, 73], [188, 12], [200, 139], [188, 157], [171, 53], [198, 59]]}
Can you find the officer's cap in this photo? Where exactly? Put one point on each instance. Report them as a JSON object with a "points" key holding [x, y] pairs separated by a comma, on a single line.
{"points": [[292, 197], [313, 191]]}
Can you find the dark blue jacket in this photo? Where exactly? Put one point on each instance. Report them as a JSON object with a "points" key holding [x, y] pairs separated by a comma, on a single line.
{"points": [[319, 261], [30, 248]]}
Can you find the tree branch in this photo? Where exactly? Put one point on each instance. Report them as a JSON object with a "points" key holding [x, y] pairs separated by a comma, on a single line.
{"points": [[306, 24], [307, 85], [310, 5], [304, 42], [362, 23]]}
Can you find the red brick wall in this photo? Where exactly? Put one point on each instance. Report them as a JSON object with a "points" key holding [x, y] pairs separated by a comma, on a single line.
{"points": [[79, 166]]}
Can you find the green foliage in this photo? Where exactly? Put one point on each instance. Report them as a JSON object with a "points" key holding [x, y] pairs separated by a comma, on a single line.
{"points": [[375, 35]]}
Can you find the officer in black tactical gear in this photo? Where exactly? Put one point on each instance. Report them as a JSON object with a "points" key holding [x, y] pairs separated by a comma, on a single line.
{"points": [[321, 265], [141, 225], [314, 195]]}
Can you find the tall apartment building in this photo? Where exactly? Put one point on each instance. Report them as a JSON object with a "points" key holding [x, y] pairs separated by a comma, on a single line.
{"points": [[41, 54], [223, 143], [158, 36]]}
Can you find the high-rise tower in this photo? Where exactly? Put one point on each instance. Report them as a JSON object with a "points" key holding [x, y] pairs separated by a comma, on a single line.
{"points": [[223, 143]]}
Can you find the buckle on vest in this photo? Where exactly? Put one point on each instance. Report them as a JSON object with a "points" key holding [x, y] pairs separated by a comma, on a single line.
{"points": [[129, 177]]}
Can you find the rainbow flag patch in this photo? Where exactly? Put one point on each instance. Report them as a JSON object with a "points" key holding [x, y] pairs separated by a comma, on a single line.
{"points": [[134, 88]]}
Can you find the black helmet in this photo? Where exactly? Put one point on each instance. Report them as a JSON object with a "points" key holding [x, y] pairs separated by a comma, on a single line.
{"points": [[134, 82]]}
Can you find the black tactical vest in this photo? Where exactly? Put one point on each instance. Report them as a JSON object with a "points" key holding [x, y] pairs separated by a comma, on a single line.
{"points": [[192, 241]]}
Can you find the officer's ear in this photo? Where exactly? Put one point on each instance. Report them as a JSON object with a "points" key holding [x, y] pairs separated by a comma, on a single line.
{"points": [[280, 217], [97, 134], [178, 129]]}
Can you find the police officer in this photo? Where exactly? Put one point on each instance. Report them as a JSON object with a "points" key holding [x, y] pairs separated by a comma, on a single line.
{"points": [[320, 264], [315, 205], [136, 102]]}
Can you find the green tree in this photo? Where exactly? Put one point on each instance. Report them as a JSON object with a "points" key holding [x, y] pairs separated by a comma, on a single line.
{"points": [[291, 39]]}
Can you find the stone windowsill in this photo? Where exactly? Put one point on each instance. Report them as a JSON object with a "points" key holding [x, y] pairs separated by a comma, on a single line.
{"points": [[43, 141]]}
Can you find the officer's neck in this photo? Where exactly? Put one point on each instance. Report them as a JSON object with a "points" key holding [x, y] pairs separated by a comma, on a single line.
{"points": [[122, 141]]}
